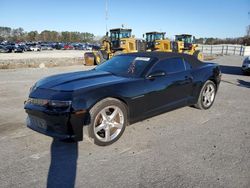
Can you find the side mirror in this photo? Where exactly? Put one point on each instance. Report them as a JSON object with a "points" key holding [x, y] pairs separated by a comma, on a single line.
{"points": [[156, 74], [143, 35], [107, 33]]}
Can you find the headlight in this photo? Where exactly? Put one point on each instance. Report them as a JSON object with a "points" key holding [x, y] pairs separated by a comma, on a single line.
{"points": [[123, 42], [38, 102], [49, 103], [157, 43]]}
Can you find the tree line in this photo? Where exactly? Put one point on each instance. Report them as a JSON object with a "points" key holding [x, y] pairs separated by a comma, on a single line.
{"points": [[239, 40], [19, 35], [211, 41]]}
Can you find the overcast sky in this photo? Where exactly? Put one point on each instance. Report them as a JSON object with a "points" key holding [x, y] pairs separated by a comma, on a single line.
{"points": [[202, 18]]}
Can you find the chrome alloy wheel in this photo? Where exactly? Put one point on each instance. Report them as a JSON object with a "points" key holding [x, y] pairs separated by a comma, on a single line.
{"points": [[108, 123], [208, 95]]}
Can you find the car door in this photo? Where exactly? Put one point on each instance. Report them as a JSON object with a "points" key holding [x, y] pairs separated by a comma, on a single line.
{"points": [[169, 90]]}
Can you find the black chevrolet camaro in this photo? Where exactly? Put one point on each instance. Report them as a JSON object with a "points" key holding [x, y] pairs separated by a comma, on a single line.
{"points": [[123, 90]]}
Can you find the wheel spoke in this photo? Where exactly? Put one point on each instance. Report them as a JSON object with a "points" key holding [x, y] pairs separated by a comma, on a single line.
{"points": [[211, 92], [118, 125], [207, 89], [205, 99], [107, 134], [104, 115], [113, 115], [100, 127], [209, 100]]}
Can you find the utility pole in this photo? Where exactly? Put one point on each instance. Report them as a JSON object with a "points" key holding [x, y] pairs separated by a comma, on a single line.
{"points": [[248, 27], [106, 15]]}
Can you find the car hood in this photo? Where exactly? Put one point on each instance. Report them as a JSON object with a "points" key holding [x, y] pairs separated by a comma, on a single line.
{"points": [[78, 80]]}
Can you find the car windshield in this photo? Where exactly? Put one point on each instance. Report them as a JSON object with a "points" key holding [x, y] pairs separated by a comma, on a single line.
{"points": [[127, 66]]}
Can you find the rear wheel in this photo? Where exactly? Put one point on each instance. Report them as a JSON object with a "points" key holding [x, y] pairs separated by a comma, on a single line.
{"points": [[108, 121], [198, 55], [206, 96]]}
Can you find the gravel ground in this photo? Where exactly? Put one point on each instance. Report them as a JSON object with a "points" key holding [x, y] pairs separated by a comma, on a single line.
{"points": [[53, 58], [186, 147], [43, 54]]}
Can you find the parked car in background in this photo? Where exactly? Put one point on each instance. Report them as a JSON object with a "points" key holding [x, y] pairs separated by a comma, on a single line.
{"points": [[3, 49], [24, 47], [68, 47], [246, 65], [89, 47], [46, 47], [18, 49], [35, 48], [125, 89], [59, 46], [96, 47], [79, 46], [14, 48], [10, 47]]}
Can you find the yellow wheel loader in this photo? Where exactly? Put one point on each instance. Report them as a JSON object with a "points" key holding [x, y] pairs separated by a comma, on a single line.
{"points": [[156, 42], [185, 43], [120, 41]]}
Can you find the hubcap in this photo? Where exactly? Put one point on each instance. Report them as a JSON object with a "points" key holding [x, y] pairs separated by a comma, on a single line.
{"points": [[108, 123], [208, 95]]}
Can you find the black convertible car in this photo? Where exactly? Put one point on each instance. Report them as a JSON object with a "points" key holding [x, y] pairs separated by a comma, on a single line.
{"points": [[125, 89]]}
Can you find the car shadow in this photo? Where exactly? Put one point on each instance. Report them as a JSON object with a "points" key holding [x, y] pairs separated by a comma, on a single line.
{"points": [[225, 69], [243, 83], [63, 165]]}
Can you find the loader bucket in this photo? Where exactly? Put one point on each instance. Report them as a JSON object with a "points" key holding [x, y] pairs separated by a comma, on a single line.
{"points": [[89, 58]]}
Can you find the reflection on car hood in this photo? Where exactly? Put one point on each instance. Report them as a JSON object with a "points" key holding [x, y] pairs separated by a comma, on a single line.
{"points": [[78, 80]]}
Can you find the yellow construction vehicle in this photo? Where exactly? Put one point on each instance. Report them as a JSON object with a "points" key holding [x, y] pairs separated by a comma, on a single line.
{"points": [[119, 41], [156, 41], [185, 43]]}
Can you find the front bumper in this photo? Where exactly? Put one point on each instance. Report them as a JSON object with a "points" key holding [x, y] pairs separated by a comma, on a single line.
{"points": [[57, 124]]}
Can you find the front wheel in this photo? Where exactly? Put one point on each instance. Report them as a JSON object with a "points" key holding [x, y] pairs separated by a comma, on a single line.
{"points": [[206, 96], [108, 121]]}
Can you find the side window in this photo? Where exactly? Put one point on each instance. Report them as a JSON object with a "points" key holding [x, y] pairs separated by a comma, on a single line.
{"points": [[170, 65]]}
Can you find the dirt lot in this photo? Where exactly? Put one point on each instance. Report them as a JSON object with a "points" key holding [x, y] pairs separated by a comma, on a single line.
{"points": [[53, 58], [183, 148]]}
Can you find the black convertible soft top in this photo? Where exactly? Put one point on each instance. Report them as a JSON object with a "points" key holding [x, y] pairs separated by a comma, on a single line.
{"points": [[164, 55]]}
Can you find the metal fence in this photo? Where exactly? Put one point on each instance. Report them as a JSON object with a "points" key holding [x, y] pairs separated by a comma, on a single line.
{"points": [[225, 49]]}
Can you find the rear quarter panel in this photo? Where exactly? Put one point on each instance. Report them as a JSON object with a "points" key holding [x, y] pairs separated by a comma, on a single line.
{"points": [[208, 71]]}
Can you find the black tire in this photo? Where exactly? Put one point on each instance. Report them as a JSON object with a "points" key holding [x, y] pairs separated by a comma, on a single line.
{"points": [[198, 55], [104, 54], [95, 117], [200, 103], [102, 60]]}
